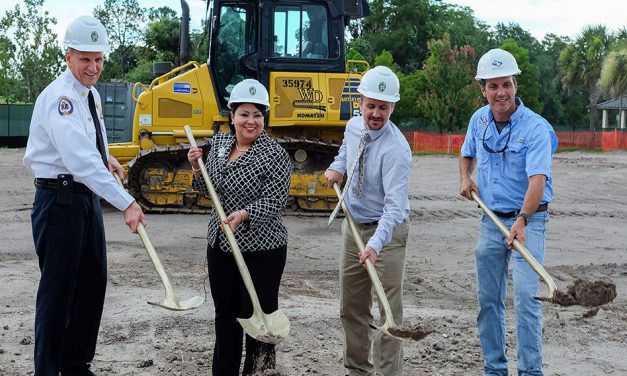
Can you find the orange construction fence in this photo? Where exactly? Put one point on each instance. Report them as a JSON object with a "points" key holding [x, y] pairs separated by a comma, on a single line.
{"points": [[614, 140], [426, 142]]}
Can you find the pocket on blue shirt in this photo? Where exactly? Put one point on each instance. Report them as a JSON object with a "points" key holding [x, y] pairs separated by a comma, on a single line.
{"points": [[516, 154]]}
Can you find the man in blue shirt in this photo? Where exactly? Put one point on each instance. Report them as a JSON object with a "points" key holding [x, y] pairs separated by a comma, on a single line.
{"points": [[377, 198], [513, 147]]}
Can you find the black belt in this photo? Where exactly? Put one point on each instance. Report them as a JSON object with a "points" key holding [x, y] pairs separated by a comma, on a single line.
{"points": [[512, 214], [375, 223], [51, 184]]}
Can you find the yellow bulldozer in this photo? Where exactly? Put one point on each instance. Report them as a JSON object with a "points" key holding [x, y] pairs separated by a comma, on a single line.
{"points": [[297, 50]]}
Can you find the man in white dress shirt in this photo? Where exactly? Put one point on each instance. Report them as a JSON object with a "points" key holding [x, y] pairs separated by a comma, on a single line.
{"points": [[67, 154], [378, 200]]}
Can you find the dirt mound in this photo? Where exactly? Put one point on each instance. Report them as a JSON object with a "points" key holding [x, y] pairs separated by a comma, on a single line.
{"points": [[586, 293]]}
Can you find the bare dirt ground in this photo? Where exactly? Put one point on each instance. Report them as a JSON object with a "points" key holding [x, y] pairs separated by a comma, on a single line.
{"points": [[586, 238]]}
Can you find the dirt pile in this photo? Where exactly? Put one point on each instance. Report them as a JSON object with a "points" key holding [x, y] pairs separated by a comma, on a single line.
{"points": [[586, 293]]}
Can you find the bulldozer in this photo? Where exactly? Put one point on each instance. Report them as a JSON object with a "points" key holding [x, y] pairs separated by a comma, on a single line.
{"points": [[296, 48]]}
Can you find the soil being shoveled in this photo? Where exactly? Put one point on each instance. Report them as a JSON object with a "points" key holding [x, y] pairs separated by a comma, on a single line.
{"points": [[586, 293], [409, 331]]}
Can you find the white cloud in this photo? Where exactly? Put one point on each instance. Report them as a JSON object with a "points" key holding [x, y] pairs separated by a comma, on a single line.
{"points": [[540, 17]]}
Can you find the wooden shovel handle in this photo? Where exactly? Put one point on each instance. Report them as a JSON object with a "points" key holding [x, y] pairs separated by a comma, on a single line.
{"points": [[524, 252], [389, 319]]}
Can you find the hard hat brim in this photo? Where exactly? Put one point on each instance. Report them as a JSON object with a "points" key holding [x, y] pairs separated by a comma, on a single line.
{"points": [[89, 48], [379, 96], [497, 75]]}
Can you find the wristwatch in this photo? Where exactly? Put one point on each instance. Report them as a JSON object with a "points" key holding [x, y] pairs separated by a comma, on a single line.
{"points": [[524, 216]]}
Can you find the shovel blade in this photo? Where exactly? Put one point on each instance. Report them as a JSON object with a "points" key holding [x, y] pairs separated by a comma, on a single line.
{"points": [[183, 305], [269, 328]]}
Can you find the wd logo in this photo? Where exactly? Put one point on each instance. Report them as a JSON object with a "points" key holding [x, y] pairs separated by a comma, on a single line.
{"points": [[310, 95]]}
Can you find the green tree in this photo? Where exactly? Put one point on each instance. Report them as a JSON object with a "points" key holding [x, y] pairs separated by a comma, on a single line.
{"points": [[161, 43], [513, 31], [162, 33], [461, 25], [451, 94], [528, 86], [400, 26], [385, 58], [404, 28], [30, 51], [123, 20], [407, 112], [7, 74], [580, 64], [613, 78]]}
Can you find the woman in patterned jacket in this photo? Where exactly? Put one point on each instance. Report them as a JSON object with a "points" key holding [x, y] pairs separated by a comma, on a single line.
{"points": [[251, 175]]}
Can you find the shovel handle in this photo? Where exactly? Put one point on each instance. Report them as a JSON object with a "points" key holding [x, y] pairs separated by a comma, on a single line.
{"points": [[524, 252], [389, 319], [239, 259], [141, 231]]}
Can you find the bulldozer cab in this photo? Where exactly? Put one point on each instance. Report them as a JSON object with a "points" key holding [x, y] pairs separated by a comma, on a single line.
{"points": [[251, 39]]}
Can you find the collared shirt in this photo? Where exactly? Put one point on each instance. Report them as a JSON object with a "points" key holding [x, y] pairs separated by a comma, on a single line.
{"points": [[62, 139], [258, 181], [503, 178], [384, 196]]}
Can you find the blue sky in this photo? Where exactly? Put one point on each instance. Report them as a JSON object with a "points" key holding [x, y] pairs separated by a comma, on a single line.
{"points": [[561, 17]]}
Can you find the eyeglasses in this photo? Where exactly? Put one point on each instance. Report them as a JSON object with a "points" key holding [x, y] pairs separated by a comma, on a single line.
{"points": [[489, 149]]}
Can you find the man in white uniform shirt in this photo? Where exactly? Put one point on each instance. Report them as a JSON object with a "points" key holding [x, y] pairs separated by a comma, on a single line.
{"points": [[377, 198], [67, 154]]}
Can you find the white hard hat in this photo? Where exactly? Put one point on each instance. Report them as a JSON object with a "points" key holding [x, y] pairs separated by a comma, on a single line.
{"points": [[496, 63], [249, 91], [86, 34], [380, 83]]}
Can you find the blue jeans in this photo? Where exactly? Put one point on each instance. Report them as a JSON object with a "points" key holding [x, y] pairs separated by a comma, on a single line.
{"points": [[493, 256]]}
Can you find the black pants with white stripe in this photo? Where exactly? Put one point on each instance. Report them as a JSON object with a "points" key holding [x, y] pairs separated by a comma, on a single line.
{"points": [[232, 301], [70, 244]]}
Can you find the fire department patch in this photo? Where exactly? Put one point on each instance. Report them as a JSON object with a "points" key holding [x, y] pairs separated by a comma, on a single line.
{"points": [[65, 106]]}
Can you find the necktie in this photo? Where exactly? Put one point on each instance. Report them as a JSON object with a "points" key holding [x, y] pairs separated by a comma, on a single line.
{"points": [[99, 139], [361, 172], [362, 144]]}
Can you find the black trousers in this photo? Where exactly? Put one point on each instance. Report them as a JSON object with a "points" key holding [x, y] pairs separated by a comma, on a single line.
{"points": [[232, 301], [70, 244]]}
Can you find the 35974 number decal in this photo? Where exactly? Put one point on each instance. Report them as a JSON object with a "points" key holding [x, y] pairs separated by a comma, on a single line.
{"points": [[296, 83]]}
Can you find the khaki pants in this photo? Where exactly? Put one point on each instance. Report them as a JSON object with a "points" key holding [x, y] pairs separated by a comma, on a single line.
{"points": [[360, 358]]}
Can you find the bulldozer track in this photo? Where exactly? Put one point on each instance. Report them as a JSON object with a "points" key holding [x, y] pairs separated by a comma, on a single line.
{"points": [[172, 161]]}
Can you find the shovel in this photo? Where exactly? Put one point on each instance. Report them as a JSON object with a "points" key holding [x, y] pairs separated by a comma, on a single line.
{"points": [[170, 302], [269, 328], [372, 273], [524, 252]]}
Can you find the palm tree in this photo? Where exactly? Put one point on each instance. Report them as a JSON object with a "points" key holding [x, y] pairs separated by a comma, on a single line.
{"points": [[613, 80], [580, 64]]}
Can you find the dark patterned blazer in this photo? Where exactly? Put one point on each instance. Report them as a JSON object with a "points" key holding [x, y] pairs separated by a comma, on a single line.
{"points": [[258, 181]]}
